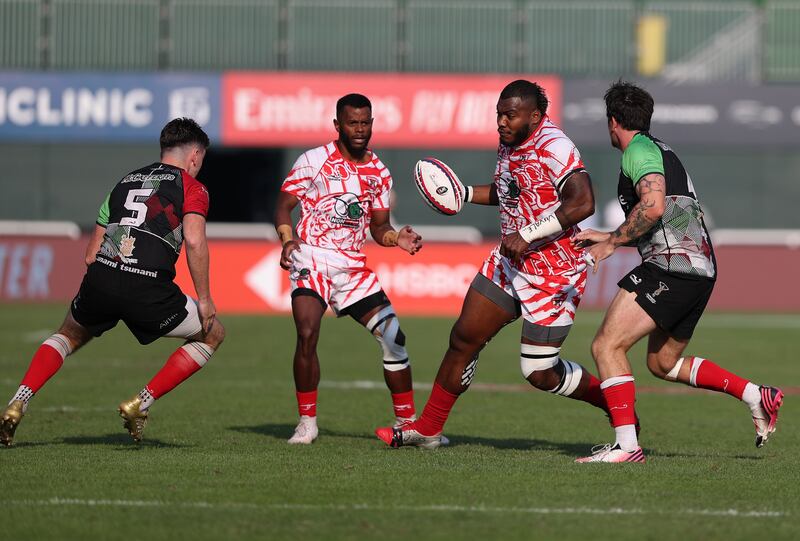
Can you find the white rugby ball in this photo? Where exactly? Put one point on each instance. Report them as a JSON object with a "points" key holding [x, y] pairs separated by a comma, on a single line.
{"points": [[439, 186]]}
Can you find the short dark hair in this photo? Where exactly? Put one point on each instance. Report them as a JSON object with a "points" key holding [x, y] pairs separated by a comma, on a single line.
{"points": [[182, 131], [356, 101], [526, 90], [630, 105]]}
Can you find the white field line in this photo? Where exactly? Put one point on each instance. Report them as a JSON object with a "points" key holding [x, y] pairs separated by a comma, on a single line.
{"points": [[64, 502]]}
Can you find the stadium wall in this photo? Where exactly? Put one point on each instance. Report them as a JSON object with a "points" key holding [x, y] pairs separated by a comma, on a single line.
{"points": [[246, 276]]}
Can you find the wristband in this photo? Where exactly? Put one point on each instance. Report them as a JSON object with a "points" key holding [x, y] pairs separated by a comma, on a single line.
{"points": [[468, 193], [541, 228], [390, 238], [284, 233]]}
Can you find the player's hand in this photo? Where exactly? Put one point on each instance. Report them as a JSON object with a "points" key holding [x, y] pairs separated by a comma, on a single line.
{"points": [[587, 237], [286, 253], [514, 246], [597, 252], [208, 313], [409, 240]]}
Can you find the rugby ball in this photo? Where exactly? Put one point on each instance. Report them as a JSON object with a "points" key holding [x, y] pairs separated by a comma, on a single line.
{"points": [[439, 186]]}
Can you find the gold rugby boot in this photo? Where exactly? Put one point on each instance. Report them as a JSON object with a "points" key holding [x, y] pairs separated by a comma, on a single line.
{"points": [[134, 420], [12, 415]]}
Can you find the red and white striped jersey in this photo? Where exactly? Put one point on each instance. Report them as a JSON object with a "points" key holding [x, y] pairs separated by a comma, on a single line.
{"points": [[529, 179], [337, 197]]}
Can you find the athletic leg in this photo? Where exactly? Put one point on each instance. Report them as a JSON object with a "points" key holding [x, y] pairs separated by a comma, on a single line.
{"points": [[666, 361], [182, 364], [382, 322], [47, 360], [625, 324], [544, 368], [480, 319]]}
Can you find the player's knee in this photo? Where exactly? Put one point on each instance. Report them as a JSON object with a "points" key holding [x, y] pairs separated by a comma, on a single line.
{"points": [[385, 327], [660, 366], [535, 358], [307, 335]]}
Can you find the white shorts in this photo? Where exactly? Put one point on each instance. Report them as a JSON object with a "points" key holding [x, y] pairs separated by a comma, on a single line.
{"points": [[339, 278], [546, 301], [191, 324]]}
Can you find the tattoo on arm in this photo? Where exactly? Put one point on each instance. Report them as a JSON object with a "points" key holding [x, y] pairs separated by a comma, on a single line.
{"points": [[645, 213]]}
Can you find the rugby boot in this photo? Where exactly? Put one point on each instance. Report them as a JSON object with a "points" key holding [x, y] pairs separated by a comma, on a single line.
{"points": [[399, 421], [134, 420], [612, 454], [765, 415], [306, 431], [407, 435], [12, 415]]}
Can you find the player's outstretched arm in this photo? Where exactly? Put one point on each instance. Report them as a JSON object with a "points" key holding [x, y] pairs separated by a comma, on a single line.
{"points": [[283, 225], [651, 190], [385, 235], [194, 235], [482, 194], [94, 244]]}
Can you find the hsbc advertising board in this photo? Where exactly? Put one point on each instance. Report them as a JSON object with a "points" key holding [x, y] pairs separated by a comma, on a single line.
{"points": [[430, 111], [246, 277], [103, 107], [713, 114]]}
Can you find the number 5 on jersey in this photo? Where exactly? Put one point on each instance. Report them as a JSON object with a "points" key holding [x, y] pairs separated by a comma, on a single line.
{"points": [[137, 205]]}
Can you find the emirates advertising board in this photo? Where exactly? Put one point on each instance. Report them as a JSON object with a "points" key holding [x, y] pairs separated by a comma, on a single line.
{"points": [[429, 111]]}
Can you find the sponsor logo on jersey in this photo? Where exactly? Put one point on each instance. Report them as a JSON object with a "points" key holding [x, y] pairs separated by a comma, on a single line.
{"points": [[661, 288], [126, 246], [348, 210], [635, 279], [508, 189]]}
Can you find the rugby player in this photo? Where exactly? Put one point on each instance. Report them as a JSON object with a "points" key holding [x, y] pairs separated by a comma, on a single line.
{"points": [[343, 190], [543, 191], [664, 297], [131, 257]]}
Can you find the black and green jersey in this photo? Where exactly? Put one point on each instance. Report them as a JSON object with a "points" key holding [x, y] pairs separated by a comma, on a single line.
{"points": [[143, 217], [679, 241]]}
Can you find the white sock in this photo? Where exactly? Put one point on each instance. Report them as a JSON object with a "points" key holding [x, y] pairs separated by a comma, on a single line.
{"points": [[626, 437], [308, 420], [147, 399], [751, 395], [24, 393]]}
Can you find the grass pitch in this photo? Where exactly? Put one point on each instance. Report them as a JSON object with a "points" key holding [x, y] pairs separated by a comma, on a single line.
{"points": [[215, 464]]}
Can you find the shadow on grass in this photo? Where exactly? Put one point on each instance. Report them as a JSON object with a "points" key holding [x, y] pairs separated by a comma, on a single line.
{"points": [[654, 453], [284, 431], [522, 444], [121, 440]]}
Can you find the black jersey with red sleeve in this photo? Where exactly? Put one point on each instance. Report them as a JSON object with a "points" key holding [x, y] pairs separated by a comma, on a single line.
{"points": [[143, 217]]}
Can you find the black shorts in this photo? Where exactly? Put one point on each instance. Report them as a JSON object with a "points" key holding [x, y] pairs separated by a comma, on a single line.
{"points": [[149, 307], [674, 301]]}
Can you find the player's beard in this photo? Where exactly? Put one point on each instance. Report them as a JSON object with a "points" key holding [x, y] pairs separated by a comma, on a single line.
{"points": [[356, 152]]}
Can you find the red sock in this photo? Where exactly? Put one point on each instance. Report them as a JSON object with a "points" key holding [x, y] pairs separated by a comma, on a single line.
{"points": [[307, 403], [707, 375], [178, 367], [621, 398], [46, 362], [404, 404], [594, 394], [436, 411]]}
